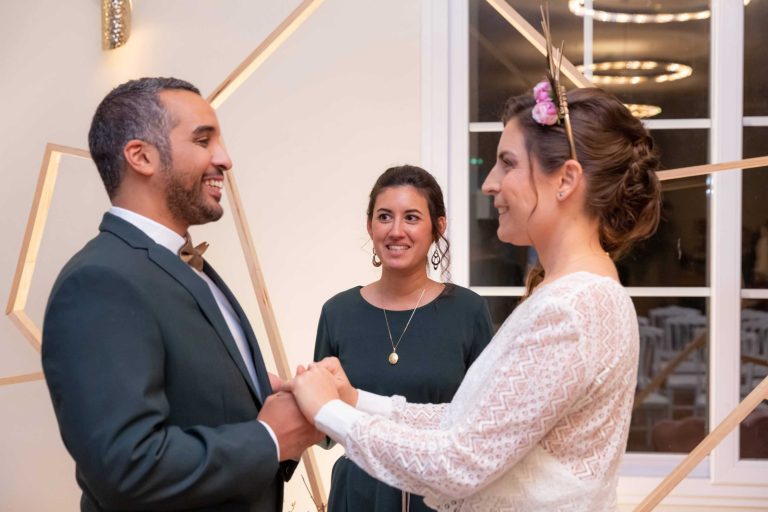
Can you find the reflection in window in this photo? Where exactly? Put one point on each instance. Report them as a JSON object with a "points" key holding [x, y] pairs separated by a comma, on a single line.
{"points": [[755, 71], [670, 410], [753, 434], [754, 230], [503, 63], [677, 254], [753, 439], [685, 42]]}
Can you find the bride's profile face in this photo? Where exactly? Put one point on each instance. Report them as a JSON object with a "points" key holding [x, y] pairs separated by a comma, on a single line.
{"points": [[511, 183]]}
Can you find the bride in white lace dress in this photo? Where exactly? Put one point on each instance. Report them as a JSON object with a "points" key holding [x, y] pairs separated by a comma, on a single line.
{"points": [[540, 421]]}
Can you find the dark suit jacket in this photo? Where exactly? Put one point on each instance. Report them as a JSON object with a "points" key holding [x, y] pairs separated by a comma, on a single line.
{"points": [[150, 391]]}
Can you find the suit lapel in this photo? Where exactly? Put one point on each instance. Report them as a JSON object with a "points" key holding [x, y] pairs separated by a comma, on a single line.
{"points": [[194, 284], [258, 360]]}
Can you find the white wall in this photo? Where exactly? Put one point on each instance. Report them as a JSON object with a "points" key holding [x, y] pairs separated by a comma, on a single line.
{"points": [[308, 133]]}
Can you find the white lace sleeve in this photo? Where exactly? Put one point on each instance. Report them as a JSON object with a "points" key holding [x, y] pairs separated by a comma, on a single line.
{"points": [[423, 416], [528, 385]]}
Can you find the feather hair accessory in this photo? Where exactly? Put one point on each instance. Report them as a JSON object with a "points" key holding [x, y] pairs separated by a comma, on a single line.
{"points": [[551, 103]]}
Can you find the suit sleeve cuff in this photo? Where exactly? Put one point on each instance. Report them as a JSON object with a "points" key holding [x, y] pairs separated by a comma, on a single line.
{"points": [[274, 438], [372, 403], [336, 418]]}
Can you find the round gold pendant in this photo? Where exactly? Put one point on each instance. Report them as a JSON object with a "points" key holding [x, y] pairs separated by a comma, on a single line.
{"points": [[393, 357]]}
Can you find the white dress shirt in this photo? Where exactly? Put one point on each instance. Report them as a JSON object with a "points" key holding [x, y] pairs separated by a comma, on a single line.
{"points": [[172, 241]]}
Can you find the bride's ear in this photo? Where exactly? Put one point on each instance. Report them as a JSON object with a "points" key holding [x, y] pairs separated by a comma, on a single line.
{"points": [[569, 178]]}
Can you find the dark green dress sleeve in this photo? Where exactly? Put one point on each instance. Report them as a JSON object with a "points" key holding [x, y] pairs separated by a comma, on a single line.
{"points": [[323, 342], [483, 331]]}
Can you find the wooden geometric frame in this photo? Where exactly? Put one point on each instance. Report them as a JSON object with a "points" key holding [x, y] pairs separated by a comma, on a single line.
{"points": [[33, 235]]}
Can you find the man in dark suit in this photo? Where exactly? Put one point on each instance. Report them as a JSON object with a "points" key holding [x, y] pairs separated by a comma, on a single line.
{"points": [[158, 385]]}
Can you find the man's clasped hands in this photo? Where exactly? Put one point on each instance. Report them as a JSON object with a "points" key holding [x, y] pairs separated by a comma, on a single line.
{"points": [[313, 386]]}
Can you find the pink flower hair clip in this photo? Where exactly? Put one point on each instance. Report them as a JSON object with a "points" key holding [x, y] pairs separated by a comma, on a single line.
{"points": [[551, 103], [545, 111]]}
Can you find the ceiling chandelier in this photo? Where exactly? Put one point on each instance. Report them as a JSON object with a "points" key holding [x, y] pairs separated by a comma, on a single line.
{"points": [[623, 72], [642, 111], [578, 8]]}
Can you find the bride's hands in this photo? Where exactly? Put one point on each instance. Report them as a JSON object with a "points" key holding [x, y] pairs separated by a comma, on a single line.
{"points": [[318, 384], [312, 388], [346, 392]]}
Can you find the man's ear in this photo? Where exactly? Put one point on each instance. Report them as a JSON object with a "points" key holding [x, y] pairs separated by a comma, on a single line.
{"points": [[570, 176], [141, 157]]}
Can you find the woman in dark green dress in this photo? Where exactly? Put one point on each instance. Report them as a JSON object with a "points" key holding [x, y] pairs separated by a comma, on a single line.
{"points": [[404, 334]]}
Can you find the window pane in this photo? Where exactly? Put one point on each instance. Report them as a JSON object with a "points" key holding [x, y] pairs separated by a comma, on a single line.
{"points": [[501, 308], [754, 231], [755, 71], [502, 63], [753, 439], [677, 254], [685, 42], [670, 410]]}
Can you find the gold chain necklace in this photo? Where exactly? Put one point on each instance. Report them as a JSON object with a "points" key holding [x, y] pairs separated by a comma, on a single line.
{"points": [[393, 357]]}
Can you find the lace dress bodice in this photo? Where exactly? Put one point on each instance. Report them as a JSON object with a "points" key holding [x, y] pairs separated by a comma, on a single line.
{"points": [[540, 421]]}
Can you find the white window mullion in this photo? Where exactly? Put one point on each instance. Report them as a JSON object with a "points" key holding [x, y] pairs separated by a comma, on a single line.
{"points": [[588, 39], [756, 121], [434, 89], [727, 55], [435, 86], [458, 139]]}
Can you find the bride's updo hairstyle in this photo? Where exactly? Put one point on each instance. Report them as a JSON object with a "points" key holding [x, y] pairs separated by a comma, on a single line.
{"points": [[618, 158]]}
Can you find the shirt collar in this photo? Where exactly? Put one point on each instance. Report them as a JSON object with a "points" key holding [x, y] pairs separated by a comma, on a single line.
{"points": [[160, 234]]}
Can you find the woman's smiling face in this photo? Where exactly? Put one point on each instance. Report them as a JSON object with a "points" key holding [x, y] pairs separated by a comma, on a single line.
{"points": [[400, 227]]}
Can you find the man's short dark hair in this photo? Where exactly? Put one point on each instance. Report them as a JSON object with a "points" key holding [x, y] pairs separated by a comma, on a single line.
{"points": [[132, 110]]}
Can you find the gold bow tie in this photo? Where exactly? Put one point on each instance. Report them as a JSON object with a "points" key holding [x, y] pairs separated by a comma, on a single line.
{"points": [[192, 255]]}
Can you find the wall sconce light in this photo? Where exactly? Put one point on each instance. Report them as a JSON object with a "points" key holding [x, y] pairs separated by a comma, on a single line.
{"points": [[115, 23]]}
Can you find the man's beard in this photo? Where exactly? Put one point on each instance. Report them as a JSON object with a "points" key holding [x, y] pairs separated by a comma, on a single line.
{"points": [[187, 203]]}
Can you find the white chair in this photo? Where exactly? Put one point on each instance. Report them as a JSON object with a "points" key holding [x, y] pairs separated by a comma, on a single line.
{"points": [[656, 406], [657, 315]]}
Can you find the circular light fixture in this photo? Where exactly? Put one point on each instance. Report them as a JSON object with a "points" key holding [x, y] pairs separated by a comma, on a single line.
{"points": [[637, 71], [578, 8], [642, 111]]}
